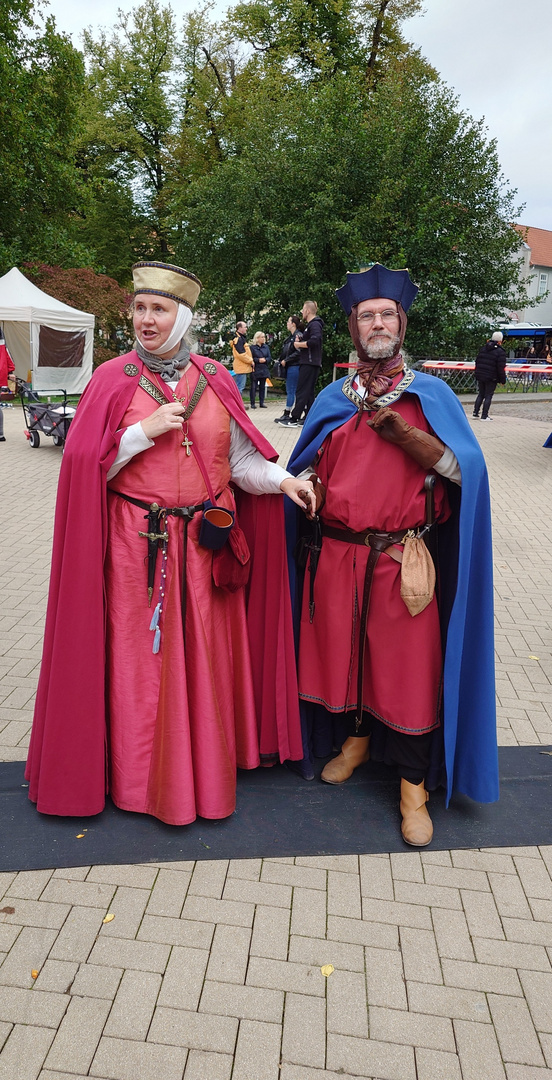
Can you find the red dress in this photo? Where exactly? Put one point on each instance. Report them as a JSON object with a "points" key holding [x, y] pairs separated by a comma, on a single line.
{"points": [[180, 720], [371, 483]]}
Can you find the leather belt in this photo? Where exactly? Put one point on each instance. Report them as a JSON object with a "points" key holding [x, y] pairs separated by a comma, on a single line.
{"points": [[373, 538], [155, 515], [378, 541], [176, 511]]}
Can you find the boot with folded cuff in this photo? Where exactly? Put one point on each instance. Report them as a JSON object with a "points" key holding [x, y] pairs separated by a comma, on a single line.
{"points": [[354, 752], [417, 827]]}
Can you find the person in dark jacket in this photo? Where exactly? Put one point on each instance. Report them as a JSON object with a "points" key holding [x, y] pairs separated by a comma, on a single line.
{"points": [[310, 363], [289, 359], [490, 369], [262, 357]]}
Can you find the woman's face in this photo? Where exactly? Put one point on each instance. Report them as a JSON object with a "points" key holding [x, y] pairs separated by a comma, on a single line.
{"points": [[290, 326], [153, 317], [261, 339]]}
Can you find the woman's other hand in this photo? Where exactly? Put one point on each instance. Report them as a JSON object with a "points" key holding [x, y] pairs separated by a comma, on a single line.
{"points": [[301, 492], [166, 418]]}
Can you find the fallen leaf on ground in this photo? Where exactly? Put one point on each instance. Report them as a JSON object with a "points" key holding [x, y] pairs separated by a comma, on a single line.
{"points": [[109, 918], [34, 974], [80, 835], [327, 969]]}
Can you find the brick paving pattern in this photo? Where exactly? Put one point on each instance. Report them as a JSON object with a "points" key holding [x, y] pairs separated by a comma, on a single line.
{"points": [[212, 971]]}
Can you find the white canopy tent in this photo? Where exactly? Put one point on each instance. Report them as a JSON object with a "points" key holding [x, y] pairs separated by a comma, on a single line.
{"points": [[52, 341]]}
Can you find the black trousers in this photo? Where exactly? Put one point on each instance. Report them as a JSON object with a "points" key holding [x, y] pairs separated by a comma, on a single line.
{"points": [[487, 388], [304, 395], [410, 754], [257, 382]]}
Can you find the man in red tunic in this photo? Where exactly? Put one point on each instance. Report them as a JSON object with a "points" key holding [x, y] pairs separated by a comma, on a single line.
{"points": [[370, 644]]}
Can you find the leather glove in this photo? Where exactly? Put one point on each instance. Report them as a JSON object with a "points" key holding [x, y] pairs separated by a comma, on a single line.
{"points": [[424, 448], [319, 492]]}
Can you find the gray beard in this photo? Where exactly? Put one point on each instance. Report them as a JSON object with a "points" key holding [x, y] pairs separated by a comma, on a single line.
{"points": [[381, 348]]}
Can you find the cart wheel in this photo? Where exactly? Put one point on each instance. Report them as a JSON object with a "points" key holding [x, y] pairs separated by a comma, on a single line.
{"points": [[34, 439], [57, 440]]}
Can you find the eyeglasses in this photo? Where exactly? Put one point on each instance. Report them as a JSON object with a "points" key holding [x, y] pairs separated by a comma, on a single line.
{"points": [[368, 317]]}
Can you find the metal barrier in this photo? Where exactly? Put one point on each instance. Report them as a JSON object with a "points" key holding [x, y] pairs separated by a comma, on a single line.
{"points": [[460, 375]]}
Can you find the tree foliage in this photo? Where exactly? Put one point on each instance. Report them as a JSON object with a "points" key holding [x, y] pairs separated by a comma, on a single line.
{"points": [[41, 80], [406, 180], [85, 290], [132, 111], [269, 152]]}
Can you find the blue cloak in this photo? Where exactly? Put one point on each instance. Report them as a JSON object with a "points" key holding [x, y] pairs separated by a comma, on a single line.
{"points": [[466, 581]]}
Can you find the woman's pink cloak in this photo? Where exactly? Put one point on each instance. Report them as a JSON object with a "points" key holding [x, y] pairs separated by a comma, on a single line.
{"points": [[162, 731]]}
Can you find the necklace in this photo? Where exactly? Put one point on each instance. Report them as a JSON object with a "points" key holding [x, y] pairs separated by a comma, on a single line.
{"points": [[186, 442]]}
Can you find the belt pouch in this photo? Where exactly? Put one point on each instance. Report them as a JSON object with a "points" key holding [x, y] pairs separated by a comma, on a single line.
{"points": [[216, 525]]}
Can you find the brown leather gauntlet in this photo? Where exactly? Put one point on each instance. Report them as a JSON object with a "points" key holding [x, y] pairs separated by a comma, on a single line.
{"points": [[424, 448], [319, 492]]}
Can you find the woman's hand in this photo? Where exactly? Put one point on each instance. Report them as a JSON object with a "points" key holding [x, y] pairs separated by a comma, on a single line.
{"points": [[302, 493], [166, 418]]}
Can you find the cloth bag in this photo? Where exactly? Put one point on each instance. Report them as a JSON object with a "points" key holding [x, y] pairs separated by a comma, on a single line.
{"points": [[417, 574]]}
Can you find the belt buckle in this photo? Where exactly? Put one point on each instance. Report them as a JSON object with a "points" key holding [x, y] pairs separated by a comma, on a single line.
{"points": [[367, 538], [184, 512]]}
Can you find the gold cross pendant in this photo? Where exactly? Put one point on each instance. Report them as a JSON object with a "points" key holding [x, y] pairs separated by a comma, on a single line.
{"points": [[187, 443]]}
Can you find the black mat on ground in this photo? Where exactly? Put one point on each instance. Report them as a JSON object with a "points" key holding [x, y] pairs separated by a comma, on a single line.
{"points": [[278, 813]]}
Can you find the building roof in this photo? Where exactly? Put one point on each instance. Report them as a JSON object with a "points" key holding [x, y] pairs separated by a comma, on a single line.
{"points": [[540, 242]]}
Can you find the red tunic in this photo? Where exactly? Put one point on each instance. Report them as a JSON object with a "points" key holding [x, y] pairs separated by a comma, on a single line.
{"points": [[177, 719], [371, 483]]}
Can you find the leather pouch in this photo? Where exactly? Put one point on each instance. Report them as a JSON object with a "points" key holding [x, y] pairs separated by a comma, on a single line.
{"points": [[232, 562], [417, 575]]}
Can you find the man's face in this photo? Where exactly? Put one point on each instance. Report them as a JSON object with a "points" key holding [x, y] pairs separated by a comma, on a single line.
{"points": [[241, 328], [378, 327]]}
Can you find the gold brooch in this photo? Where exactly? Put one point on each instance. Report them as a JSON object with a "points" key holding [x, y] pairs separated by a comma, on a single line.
{"points": [[130, 369], [210, 369]]}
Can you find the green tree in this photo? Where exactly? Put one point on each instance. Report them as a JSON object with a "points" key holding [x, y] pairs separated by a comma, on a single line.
{"points": [[324, 37], [41, 82], [133, 112], [98, 294], [339, 173]]}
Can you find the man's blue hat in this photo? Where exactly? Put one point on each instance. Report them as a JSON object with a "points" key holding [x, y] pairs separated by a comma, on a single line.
{"points": [[377, 282]]}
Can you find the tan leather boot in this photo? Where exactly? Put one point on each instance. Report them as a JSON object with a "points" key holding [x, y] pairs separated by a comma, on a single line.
{"points": [[416, 828], [353, 752]]}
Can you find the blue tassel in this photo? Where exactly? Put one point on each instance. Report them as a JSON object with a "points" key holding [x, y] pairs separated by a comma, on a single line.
{"points": [[156, 640], [155, 618]]}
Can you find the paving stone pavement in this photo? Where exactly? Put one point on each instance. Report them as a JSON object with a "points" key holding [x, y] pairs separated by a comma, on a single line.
{"points": [[212, 970]]}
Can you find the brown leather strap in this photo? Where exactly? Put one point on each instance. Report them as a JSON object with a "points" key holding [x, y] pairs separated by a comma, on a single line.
{"points": [[176, 511], [366, 592], [373, 538]]}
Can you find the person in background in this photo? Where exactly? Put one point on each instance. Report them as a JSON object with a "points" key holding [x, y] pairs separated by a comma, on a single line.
{"points": [[262, 357], [7, 366], [241, 355], [289, 359], [310, 363], [490, 369]]}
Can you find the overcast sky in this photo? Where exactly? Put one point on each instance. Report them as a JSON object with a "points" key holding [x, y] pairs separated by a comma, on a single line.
{"points": [[495, 54]]}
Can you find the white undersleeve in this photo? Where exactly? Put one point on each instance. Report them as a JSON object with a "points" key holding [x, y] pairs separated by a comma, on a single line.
{"points": [[249, 469]]}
